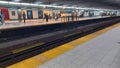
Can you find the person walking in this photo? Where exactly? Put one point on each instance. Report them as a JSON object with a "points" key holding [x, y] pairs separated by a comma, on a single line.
{"points": [[2, 18], [24, 17]]}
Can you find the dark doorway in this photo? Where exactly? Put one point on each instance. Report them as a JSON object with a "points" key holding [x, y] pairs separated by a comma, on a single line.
{"points": [[29, 14]]}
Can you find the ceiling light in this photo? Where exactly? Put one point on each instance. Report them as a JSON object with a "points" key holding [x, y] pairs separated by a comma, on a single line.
{"points": [[38, 2], [16, 0], [3, 2]]}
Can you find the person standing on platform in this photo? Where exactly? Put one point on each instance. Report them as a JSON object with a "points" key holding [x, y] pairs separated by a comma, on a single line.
{"points": [[49, 16], [46, 17], [24, 17], [56, 17], [2, 18], [72, 15]]}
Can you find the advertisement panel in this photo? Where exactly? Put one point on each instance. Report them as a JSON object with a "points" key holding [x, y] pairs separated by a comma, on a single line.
{"points": [[5, 12], [29, 14]]}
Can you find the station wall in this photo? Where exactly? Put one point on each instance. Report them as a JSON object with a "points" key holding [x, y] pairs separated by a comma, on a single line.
{"points": [[13, 14], [35, 13]]}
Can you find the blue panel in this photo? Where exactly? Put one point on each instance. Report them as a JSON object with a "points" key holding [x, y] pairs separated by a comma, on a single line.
{"points": [[29, 14]]}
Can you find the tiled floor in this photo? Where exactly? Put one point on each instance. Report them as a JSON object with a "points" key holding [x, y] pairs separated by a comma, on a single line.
{"points": [[100, 52]]}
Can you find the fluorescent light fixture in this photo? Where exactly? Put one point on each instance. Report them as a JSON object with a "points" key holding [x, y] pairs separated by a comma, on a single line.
{"points": [[14, 3], [38, 2], [25, 4], [4, 2], [34, 5], [16, 0]]}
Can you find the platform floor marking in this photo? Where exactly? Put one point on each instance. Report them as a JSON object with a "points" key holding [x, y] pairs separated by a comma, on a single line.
{"points": [[57, 51], [53, 53], [29, 63]]}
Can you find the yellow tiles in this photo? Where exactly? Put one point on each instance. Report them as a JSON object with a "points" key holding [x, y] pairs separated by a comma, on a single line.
{"points": [[51, 54], [41, 58], [64, 48], [81, 40], [29, 63], [57, 51]]}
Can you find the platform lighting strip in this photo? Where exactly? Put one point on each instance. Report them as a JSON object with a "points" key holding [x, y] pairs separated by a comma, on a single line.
{"points": [[37, 5], [16, 0]]}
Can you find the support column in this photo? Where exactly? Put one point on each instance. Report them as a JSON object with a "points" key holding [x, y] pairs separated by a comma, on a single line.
{"points": [[19, 15]]}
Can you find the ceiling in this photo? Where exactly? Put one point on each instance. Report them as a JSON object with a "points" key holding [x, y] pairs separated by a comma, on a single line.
{"points": [[108, 4]]}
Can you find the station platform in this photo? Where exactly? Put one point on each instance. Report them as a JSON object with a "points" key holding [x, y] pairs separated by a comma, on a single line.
{"points": [[97, 50], [36, 22]]}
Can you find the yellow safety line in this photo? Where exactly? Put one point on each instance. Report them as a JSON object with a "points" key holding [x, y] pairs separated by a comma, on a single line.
{"points": [[53, 53]]}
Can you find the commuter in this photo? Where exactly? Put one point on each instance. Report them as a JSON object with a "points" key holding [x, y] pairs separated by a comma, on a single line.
{"points": [[82, 14], [46, 17], [53, 15], [76, 16], [2, 18], [57, 16], [49, 16], [43, 16], [24, 17], [72, 15], [93, 14]]}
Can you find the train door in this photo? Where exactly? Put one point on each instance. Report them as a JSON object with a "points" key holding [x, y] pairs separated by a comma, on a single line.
{"points": [[29, 14]]}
